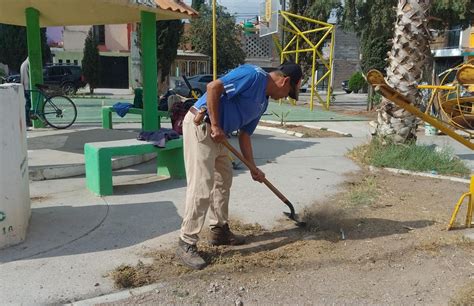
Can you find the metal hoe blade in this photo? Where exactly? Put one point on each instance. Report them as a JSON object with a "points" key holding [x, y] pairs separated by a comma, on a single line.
{"points": [[292, 215]]}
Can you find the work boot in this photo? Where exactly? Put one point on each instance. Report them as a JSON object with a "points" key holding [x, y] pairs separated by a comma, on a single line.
{"points": [[188, 253], [223, 236]]}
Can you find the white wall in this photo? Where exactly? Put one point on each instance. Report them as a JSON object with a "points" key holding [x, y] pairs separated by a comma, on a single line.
{"points": [[74, 37], [116, 37]]}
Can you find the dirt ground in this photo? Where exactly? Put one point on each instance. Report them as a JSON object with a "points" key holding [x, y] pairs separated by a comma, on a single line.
{"points": [[380, 241]]}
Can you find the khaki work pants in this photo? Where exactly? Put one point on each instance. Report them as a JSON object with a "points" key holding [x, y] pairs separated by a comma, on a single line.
{"points": [[209, 178]]}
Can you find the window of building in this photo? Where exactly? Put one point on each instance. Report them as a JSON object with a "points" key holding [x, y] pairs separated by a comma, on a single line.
{"points": [[202, 68], [183, 68], [75, 62], [454, 37], [99, 34], [192, 68]]}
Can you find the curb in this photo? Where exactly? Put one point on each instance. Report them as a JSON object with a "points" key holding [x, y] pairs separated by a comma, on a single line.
{"points": [[117, 296], [423, 174], [51, 172], [326, 129], [283, 131]]}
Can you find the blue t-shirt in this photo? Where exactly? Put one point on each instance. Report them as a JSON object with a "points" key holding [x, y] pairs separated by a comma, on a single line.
{"points": [[244, 100]]}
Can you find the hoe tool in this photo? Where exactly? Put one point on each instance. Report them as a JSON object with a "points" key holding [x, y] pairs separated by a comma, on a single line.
{"points": [[292, 215]]}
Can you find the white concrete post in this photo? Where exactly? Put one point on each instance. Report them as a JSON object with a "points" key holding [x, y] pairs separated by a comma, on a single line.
{"points": [[15, 206]]}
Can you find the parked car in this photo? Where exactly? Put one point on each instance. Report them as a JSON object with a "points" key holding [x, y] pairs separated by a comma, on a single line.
{"points": [[345, 86], [66, 78], [14, 78], [198, 83]]}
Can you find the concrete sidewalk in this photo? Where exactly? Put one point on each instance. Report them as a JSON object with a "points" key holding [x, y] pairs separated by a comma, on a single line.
{"points": [[75, 238], [54, 154]]}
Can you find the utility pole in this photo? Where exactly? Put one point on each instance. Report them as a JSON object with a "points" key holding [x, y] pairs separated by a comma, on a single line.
{"points": [[283, 8]]}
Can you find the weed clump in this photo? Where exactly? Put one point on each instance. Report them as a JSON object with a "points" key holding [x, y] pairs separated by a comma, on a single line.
{"points": [[422, 158]]}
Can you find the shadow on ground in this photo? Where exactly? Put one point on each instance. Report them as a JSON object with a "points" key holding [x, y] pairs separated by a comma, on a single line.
{"points": [[67, 230], [354, 229]]}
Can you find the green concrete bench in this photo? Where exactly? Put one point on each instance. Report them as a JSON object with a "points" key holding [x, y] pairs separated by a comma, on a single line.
{"points": [[98, 160], [108, 110]]}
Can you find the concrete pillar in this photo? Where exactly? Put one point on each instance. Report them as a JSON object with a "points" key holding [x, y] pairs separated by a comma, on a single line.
{"points": [[15, 207], [149, 68]]}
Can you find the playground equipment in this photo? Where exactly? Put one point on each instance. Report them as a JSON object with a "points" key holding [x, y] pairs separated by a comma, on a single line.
{"points": [[319, 37], [453, 98], [461, 109]]}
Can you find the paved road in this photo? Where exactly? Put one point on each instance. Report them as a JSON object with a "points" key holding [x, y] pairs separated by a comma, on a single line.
{"points": [[89, 109]]}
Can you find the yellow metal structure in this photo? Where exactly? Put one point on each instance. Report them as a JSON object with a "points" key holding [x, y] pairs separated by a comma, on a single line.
{"points": [[470, 207], [376, 79], [214, 40], [454, 101], [299, 42]]}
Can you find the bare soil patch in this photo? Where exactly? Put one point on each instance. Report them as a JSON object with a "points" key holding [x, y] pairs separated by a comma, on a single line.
{"points": [[382, 240], [39, 199], [307, 132]]}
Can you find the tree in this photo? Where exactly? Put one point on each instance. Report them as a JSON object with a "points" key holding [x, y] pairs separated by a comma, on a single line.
{"points": [[91, 61], [168, 36], [196, 4], [408, 51], [229, 47], [14, 46]]}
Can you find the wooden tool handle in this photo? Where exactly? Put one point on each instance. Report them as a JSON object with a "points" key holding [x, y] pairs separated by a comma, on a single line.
{"points": [[254, 169]]}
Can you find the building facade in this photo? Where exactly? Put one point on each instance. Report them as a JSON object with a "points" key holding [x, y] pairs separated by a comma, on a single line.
{"points": [[119, 55], [452, 47]]}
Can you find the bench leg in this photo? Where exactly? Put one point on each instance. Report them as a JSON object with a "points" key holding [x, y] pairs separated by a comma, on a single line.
{"points": [[171, 163], [98, 171], [106, 119]]}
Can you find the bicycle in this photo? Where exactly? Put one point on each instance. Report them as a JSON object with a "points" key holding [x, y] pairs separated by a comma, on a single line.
{"points": [[57, 111]]}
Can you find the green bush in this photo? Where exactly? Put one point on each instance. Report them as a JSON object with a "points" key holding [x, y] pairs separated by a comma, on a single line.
{"points": [[356, 82], [2, 73]]}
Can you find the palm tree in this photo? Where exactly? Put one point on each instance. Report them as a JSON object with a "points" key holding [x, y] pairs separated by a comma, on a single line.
{"points": [[406, 61]]}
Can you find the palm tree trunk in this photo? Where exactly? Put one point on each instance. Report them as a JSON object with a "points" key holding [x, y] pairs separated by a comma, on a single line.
{"points": [[406, 61]]}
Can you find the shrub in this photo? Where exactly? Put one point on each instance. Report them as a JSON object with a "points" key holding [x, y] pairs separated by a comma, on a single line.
{"points": [[356, 82]]}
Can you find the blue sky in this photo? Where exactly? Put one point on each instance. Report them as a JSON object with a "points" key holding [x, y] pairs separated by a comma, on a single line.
{"points": [[243, 8]]}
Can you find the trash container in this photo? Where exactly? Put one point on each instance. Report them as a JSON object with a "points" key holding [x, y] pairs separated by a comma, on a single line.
{"points": [[138, 99], [15, 208]]}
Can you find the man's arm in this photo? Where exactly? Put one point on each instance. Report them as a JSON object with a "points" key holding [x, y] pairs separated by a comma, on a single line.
{"points": [[246, 149], [215, 89]]}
